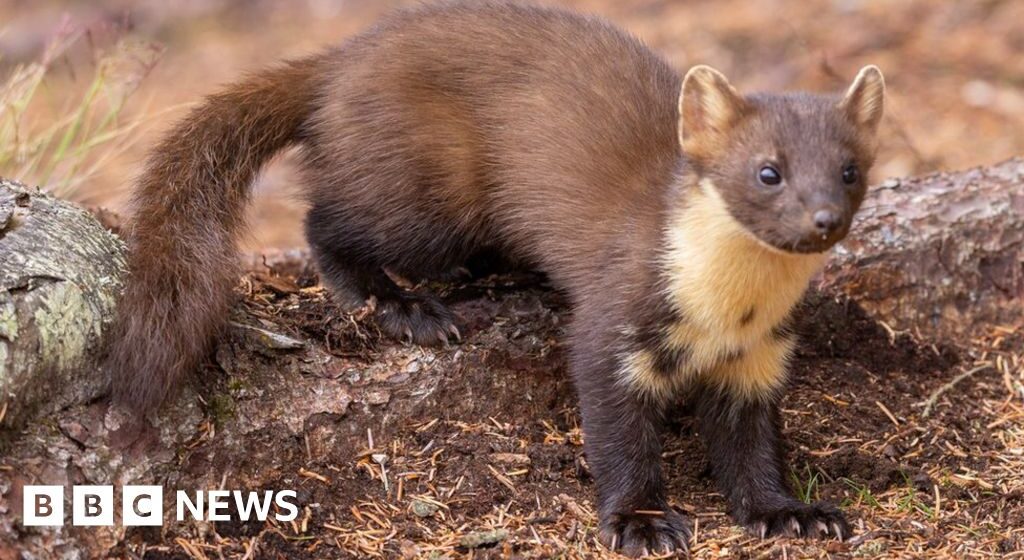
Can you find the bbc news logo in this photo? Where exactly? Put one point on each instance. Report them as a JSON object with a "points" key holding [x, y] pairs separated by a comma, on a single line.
{"points": [[43, 506]]}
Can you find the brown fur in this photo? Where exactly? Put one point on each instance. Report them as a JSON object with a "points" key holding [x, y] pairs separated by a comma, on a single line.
{"points": [[554, 139], [189, 210]]}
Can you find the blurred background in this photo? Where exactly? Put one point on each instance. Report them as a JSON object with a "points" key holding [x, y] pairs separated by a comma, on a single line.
{"points": [[87, 86]]}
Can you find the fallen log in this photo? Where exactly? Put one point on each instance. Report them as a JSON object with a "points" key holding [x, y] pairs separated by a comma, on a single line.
{"points": [[296, 383], [60, 275], [942, 255]]}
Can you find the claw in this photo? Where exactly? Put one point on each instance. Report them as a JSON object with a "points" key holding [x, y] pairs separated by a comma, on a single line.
{"points": [[442, 337], [408, 335], [762, 529], [455, 332], [794, 526], [837, 529], [822, 527]]}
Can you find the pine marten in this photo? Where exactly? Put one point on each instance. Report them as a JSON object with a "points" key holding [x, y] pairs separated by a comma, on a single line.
{"points": [[682, 219]]}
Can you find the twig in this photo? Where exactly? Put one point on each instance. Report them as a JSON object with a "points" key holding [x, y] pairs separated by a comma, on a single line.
{"points": [[888, 413], [930, 403]]}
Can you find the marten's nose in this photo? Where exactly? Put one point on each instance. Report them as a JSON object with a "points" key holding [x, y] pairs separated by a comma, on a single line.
{"points": [[827, 221]]}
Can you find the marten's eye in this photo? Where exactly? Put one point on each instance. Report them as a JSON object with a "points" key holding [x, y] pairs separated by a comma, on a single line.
{"points": [[851, 174], [769, 176]]}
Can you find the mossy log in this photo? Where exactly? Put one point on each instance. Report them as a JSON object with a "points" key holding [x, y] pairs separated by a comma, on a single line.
{"points": [[60, 275]]}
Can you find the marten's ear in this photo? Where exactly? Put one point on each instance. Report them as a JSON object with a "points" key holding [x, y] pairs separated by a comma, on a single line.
{"points": [[708, 108], [864, 101]]}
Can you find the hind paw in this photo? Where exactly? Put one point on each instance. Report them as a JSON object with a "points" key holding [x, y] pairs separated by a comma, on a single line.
{"points": [[418, 319]]}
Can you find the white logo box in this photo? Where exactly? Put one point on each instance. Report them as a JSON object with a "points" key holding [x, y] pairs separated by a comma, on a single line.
{"points": [[92, 506]]}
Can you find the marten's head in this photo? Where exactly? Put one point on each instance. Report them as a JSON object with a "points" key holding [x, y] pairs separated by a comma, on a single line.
{"points": [[791, 168]]}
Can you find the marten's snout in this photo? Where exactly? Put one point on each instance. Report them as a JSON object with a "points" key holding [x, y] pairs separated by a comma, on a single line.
{"points": [[827, 221], [822, 225]]}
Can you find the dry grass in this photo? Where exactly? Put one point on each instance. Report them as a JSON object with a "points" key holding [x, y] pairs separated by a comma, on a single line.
{"points": [[59, 141]]}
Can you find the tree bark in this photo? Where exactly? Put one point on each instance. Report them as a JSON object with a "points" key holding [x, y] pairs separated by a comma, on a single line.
{"points": [[60, 273], [942, 255]]}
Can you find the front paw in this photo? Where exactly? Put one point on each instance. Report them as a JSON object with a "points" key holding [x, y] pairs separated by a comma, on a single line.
{"points": [[643, 533], [797, 519]]}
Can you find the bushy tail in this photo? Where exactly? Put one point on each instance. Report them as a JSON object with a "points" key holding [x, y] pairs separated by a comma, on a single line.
{"points": [[189, 210]]}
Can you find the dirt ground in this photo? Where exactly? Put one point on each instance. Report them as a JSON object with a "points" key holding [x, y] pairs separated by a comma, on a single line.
{"points": [[475, 451], [955, 70], [482, 440]]}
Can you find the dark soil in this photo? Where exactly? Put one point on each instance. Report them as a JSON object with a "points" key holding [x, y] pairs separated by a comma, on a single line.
{"points": [[485, 434]]}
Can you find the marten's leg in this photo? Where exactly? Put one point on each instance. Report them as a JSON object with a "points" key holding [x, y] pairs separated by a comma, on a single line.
{"points": [[623, 447], [740, 424], [403, 315]]}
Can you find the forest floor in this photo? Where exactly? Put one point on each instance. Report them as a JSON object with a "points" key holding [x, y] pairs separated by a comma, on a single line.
{"points": [[482, 452]]}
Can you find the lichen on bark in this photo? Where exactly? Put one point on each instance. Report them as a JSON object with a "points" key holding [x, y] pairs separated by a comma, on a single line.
{"points": [[60, 273]]}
